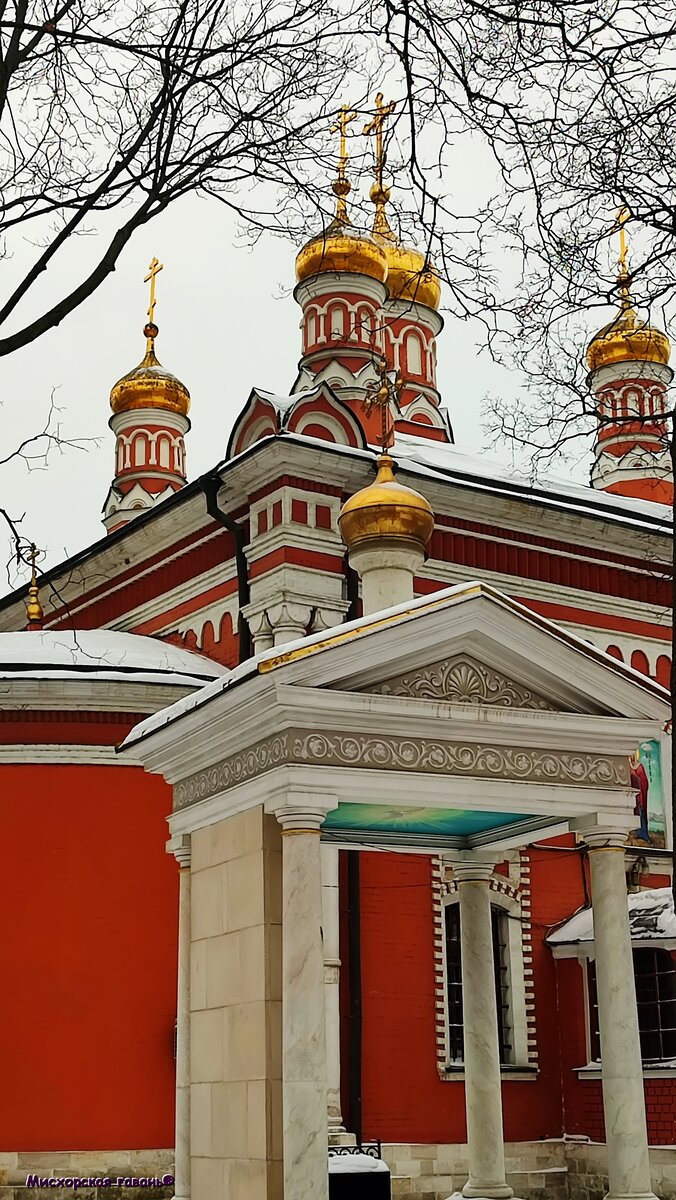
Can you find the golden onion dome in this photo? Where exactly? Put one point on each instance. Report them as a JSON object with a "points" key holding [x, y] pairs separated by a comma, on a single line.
{"points": [[410, 277], [386, 509], [341, 248], [149, 385], [628, 339]]}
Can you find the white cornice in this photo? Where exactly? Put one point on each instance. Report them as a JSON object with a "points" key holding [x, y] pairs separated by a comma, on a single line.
{"points": [[30, 754], [630, 371], [191, 589], [556, 804], [335, 283], [140, 541], [140, 417], [534, 589], [79, 694], [165, 600]]}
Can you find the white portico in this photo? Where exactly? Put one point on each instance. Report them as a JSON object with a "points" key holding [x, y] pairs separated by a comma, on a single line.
{"points": [[463, 723]]}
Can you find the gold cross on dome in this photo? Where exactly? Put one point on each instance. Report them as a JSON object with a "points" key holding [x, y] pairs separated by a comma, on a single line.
{"points": [[34, 612], [382, 392], [345, 116], [623, 217], [383, 111], [153, 271]]}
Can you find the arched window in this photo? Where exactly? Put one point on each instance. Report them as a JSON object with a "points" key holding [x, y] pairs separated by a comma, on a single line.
{"points": [[503, 991], [164, 452], [139, 451], [413, 354], [311, 328], [120, 456], [663, 670], [655, 978], [639, 662], [365, 327], [615, 652], [337, 322]]}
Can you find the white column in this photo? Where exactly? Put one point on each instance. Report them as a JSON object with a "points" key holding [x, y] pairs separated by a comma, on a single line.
{"points": [[331, 931], [621, 1068], [289, 621], [483, 1094], [387, 572], [304, 1086], [180, 848], [261, 630]]}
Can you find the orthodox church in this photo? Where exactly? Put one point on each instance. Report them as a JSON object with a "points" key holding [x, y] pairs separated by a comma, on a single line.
{"points": [[336, 786]]}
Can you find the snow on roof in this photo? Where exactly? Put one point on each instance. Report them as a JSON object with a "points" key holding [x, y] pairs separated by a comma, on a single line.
{"points": [[651, 918], [447, 458], [407, 611], [101, 654], [444, 462]]}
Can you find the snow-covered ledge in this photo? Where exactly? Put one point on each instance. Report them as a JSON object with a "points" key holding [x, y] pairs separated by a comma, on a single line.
{"points": [[651, 923]]}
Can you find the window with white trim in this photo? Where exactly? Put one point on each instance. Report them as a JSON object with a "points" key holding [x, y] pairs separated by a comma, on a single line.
{"points": [[655, 978], [503, 983]]}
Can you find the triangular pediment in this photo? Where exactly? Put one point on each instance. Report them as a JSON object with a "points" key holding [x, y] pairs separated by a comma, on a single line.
{"points": [[473, 646], [462, 679]]}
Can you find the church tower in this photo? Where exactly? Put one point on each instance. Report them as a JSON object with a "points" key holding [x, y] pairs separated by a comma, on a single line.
{"points": [[366, 298], [410, 318], [341, 275], [150, 420], [629, 375]]}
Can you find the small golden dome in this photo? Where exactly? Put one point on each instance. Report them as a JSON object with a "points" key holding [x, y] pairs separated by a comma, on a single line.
{"points": [[410, 277], [386, 509], [628, 339], [341, 248], [149, 385]]}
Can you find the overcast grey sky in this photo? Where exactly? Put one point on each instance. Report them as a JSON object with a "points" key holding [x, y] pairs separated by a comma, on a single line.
{"points": [[227, 321]]}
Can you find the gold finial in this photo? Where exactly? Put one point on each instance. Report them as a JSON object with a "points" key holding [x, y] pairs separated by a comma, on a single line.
{"points": [[150, 330], [381, 392], [623, 277], [379, 193], [34, 611], [342, 186]]}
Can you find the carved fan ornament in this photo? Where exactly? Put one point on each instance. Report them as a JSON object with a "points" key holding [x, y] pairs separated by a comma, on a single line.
{"points": [[463, 681]]}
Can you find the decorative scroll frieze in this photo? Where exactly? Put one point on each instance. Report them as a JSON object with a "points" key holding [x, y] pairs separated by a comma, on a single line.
{"points": [[422, 755], [463, 681]]}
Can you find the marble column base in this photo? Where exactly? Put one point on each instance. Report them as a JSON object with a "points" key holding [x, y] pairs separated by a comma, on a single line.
{"points": [[501, 1191], [471, 1193], [630, 1196], [339, 1137]]}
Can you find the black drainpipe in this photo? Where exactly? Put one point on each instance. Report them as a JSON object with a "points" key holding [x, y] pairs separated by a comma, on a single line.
{"points": [[351, 591], [355, 1016], [354, 931], [211, 485]]}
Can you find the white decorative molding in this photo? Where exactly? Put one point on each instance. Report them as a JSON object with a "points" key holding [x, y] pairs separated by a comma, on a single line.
{"points": [[463, 680], [34, 755], [312, 747]]}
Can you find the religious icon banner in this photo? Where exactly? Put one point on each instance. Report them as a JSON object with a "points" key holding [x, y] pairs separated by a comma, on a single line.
{"points": [[647, 779]]}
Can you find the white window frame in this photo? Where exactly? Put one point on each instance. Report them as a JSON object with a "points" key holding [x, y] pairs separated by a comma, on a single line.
{"points": [[516, 906]]}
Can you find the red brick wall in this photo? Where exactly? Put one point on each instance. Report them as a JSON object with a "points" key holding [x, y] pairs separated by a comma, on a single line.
{"points": [[403, 1097], [88, 929]]}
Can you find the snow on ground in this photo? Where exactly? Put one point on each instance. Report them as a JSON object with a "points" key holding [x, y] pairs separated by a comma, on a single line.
{"points": [[354, 1164]]}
